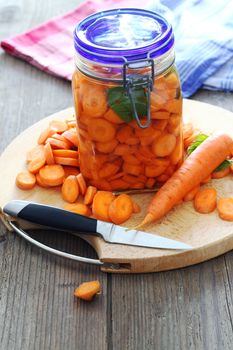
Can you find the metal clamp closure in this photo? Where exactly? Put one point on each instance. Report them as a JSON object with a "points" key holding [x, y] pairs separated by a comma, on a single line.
{"points": [[133, 82]]}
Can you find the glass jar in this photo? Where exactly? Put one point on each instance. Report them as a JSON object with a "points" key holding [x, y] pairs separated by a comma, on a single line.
{"points": [[127, 99]]}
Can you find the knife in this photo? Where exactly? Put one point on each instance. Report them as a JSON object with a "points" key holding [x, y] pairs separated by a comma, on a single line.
{"points": [[67, 221]]}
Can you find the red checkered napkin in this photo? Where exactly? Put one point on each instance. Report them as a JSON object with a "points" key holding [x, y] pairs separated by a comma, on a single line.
{"points": [[49, 47]]}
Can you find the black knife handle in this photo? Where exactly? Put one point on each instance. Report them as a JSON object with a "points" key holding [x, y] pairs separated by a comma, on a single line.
{"points": [[57, 218]]}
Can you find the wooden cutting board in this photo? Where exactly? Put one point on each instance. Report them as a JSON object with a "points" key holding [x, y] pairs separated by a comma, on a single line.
{"points": [[208, 234]]}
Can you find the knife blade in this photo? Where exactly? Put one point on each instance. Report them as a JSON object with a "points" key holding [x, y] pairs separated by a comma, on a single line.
{"points": [[67, 221]]}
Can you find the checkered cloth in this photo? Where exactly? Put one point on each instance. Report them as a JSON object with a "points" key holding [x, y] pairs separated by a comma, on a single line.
{"points": [[203, 32]]}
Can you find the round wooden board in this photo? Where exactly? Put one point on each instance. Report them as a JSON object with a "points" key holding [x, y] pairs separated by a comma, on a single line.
{"points": [[208, 234]]}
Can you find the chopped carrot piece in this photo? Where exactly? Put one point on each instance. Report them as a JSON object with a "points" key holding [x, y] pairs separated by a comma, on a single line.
{"points": [[49, 154], [40, 182], [161, 114], [45, 134], [108, 169], [102, 184], [150, 183], [70, 170], [52, 175], [118, 184], [191, 194], [174, 106], [225, 208], [87, 290], [122, 149], [220, 174], [36, 164], [82, 184], [120, 209], [70, 189], [131, 159], [65, 153], [78, 208], [124, 133], [137, 186], [172, 81], [158, 168], [106, 147], [116, 176], [160, 124], [94, 100], [132, 169], [89, 195], [101, 203], [71, 135], [164, 145], [59, 125], [36, 152], [54, 143], [205, 200], [101, 130], [25, 180], [66, 161], [177, 154], [112, 117]]}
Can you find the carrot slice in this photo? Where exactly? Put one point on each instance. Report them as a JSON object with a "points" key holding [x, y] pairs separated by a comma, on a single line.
{"points": [[118, 184], [158, 168], [65, 153], [70, 189], [101, 203], [94, 99], [101, 130], [101, 184], [108, 169], [225, 208], [164, 145], [35, 165], [87, 290], [45, 134], [132, 169], [124, 133], [150, 183], [121, 149], [66, 161], [89, 195], [25, 180], [82, 184], [40, 182], [71, 135], [131, 159], [52, 175], [220, 174], [54, 143], [78, 208], [112, 117], [36, 152], [120, 209], [205, 200], [106, 147], [59, 125], [70, 170], [49, 154], [191, 194]]}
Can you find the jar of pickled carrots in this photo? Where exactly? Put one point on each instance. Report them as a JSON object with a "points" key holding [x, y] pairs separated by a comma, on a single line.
{"points": [[127, 99]]}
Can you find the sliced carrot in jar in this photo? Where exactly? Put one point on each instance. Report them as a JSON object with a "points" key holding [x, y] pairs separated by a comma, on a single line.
{"points": [[94, 100], [112, 117], [158, 167], [25, 180], [101, 130], [102, 184], [159, 124], [133, 169], [124, 133], [122, 149], [108, 169], [174, 106], [157, 102], [150, 183], [118, 184], [164, 145], [131, 159], [160, 114], [172, 80], [174, 124], [177, 154], [106, 147]]}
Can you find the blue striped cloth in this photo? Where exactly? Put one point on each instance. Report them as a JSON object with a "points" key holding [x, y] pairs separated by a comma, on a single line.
{"points": [[203, 42]]}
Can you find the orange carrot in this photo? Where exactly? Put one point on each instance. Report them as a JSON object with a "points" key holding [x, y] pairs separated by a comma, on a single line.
{"points": [[191, 194], [65, 153], [54, 143], [52, 175], [106, 147], [150, 183], [78, 208], [101, 203], [101, 130], [49, 154], [70, 170], [40, 182], [221, 173], [82, 184], [108, 169], [205, 200], [225, 208], [206, 180], [58, 125], [36, 152], [71, 136], [118, 184], [112, 117], [89, 195], [164, 145], [120, 209], [87, 290], [25, 180], [195, 168], [35, 165], [70, 189], [66, 161], [45, 134]]}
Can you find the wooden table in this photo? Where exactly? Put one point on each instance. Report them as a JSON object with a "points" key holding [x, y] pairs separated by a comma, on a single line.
{"points": [[190, 308]]}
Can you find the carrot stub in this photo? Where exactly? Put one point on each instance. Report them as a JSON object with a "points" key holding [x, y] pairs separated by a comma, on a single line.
{"points": [[194, 169], [225, 208], [120, 209], [70, 189], [87, 290], [52, 175], [205, 200], [25, 180]]}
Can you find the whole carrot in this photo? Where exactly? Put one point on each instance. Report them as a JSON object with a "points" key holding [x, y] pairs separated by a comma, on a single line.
{"points": [[212, 152]]}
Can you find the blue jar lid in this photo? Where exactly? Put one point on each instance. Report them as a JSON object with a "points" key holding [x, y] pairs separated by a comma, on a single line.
{"points": [[120, 35]]}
